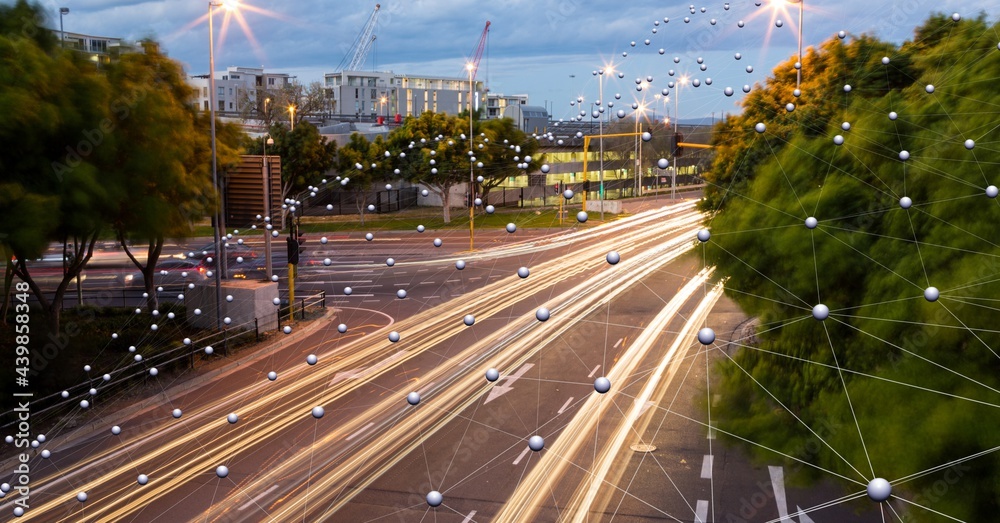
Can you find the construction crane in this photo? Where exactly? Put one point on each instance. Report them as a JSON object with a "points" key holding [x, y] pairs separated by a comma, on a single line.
{"points": [[356, 56], [477, 53]]}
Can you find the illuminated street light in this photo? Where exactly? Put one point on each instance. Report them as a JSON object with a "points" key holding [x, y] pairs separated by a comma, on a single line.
{"points": [[471, 67], [62, 35]]}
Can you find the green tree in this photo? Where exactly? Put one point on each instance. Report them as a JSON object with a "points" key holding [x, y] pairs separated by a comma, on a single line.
{"points": [[437, 156], [163, 184], [498, 143], [306, 157], [363, 162], [53, 105], [917, 379]]}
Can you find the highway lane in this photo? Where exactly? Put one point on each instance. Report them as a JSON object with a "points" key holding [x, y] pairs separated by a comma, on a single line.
{"points": [[185, 464]]}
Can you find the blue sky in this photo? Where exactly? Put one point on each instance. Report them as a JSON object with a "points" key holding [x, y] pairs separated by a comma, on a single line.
{"points": [[544, 48]]}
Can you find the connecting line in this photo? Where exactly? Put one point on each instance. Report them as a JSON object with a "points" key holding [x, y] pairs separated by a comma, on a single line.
{"points": [[849, 402], [911, 477], [832, 503], [928, 509], [953, 315]]}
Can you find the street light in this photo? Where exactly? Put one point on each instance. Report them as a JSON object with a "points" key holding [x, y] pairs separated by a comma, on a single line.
{"points": [[291, 116], [600, 138], [472, 175], [639, 112], [264, 117], [267, 207], [62, 35], [798, 70], [677, 118], [220, 265]]}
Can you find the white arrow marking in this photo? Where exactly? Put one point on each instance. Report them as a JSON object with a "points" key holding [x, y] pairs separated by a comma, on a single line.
{"points": [[803, 517], [565, 405], [778, 482], [500, 390], [364, 372], [645, 407]]}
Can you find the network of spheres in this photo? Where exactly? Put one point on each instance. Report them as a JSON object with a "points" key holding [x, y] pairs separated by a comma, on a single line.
{"points": [[434, 498], [613, 257], [602, 384], [821, 312], [318, 412], [492, 374], [511, 227], [706, 336], [542, 314], [905, 202], [992, 191], [536, 443], [838, 140], [469, 320], [311, 359], [704, 235], [811, 222], [523, 272], [394, 336], [413, 398], [879, 490], [581, 216], [932, 294], [222, 471]]}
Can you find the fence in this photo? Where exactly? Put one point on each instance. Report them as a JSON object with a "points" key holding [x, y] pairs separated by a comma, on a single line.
{"points": [[57, 404], [338, 202]]}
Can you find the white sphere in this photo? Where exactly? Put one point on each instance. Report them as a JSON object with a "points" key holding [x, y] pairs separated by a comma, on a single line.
{"points": [[706, 336], [469, 319], [704, 235], [81, 497], [838, 140], [879, 490], [318, 412], [460, 264], [760, 127], [311, 359], [401, 293], [613, 257], [904, 155], [932, 294], [536, 443], [272, 375], [511, 227], [232, 417], [116, 430], [393, 336], [991, 191], [287, 329], [142, 479], [413, 398], [176, 413], [811, 222], [602, 385], [905, 202], [542, 314], [523, 272], [969, 144], [222, 471], [581, 216], [821, 312], [434, 498]]}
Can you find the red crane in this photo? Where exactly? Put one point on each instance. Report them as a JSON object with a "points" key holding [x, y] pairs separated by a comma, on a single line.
{"points": [[477, 54]]}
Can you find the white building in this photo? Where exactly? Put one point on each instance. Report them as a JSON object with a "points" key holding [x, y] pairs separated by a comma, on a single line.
{"points": [[232, 84], [384, 93], [496, 103], [99, 49]]}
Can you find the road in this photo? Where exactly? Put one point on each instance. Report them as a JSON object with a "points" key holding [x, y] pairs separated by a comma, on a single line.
{"points": [[640, 451]]}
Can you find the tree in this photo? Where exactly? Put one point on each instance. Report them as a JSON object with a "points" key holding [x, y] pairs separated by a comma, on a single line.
{"points": [[359, 160], [269, 105], [55, 107], [163, 184], [500, 142], [306, 157], [439, 158]]}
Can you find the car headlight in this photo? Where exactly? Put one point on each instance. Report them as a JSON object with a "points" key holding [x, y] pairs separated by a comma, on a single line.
{"points": [[128, 277]]}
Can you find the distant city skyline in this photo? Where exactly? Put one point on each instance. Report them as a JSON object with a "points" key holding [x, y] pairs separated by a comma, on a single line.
{"points": [[546, 49]]}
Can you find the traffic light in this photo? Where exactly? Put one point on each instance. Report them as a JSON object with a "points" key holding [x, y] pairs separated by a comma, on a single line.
{"points": [[294, 249], [677, 140], [557, 186]]}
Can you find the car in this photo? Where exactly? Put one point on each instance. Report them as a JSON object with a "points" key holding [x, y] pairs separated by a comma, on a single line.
{"points": [[170, 272]]}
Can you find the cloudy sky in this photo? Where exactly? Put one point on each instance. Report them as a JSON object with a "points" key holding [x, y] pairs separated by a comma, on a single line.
{"points": [[547, 49]]}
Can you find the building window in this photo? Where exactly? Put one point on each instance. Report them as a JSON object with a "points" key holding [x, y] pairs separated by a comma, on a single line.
{"points": [[206, 105], [355, 94], [98, 46], [230, 91], [270, 81], [374, 94], [204, 92], [230, 106], [235, 77], [221, 91], [222, 105]]}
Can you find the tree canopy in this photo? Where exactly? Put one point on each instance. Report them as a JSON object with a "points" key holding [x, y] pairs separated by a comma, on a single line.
{"points": [[905, 379]]}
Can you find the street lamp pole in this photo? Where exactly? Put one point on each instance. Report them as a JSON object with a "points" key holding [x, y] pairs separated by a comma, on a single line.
{"points": [[219, 255], [62, 35], [267, 209], [472, 174], [798, 72], [291, 117], [677, 118], [600, 139]]}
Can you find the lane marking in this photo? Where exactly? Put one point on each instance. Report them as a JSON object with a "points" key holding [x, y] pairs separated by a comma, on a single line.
{"points": [[500, 390], [706, 466], [591, 375], [452, 281], [428, 282], [253, 501], [359, 432], [701, 512], [476, 278], [429, 297], [565, 405], [778, 482], [521, 456], [645, 407], [617, 343], [803, 517], [469, 517]]}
